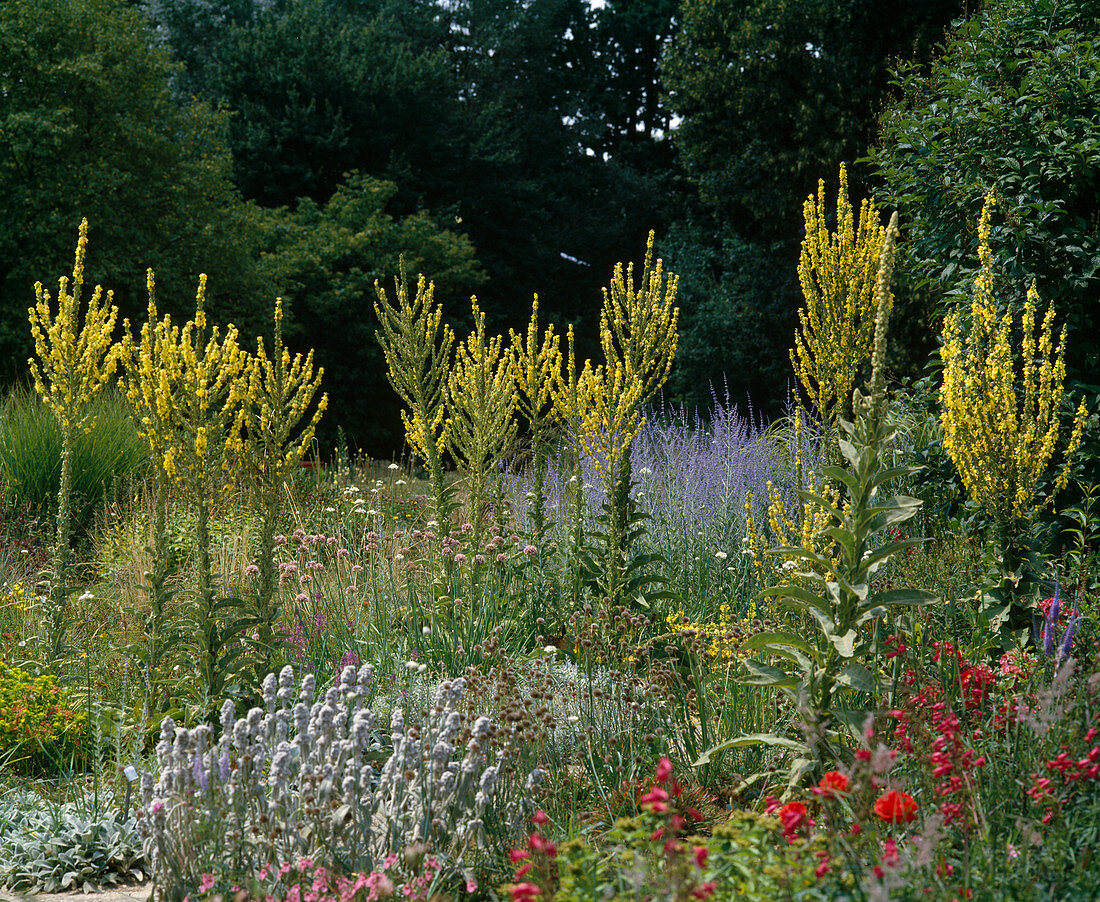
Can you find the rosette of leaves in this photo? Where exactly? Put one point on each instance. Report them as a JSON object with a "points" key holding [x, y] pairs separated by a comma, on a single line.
{"points": [[828, 667], [72, 846]]}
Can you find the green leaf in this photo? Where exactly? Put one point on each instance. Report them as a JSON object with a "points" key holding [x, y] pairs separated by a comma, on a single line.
{"points": [[893, 598], [856, 676], [761, 674], [846, 644], [797, 597], [771, 739], [767, 640]]}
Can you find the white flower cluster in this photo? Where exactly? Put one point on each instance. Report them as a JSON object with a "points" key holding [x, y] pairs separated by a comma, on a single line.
{"points": [[298, 778]]}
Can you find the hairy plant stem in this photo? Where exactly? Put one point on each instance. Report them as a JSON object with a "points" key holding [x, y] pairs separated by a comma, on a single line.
{"points": [[59, 590]]}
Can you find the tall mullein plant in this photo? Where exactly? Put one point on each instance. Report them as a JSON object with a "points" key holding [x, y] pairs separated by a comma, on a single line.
{"points": [[417, 346], [74, 361], [278, 434], [831, 672], [837, 272], [1000, 409], [602, 405], [149, 393], [537, 368], [206, 379], [481, 400], [568, 409]]}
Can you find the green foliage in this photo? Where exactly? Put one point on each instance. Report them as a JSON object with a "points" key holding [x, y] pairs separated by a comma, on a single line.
{"points": [[325, 259], [738, 302], [38, 727], [493, 114], [772, 94], [104, 460], [1010, 107], [54, 848], [88, 128]]}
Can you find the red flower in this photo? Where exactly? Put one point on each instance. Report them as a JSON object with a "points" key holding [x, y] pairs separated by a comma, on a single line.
{"points": [[705, 891], [520, 892], [791, 817], [540, 817], [655, 800], [896, 807], [701, 856], [832, 783], [664, 770]]}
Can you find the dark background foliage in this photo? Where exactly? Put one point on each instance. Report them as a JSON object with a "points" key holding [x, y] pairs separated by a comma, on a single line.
{"points": [[507, 147]]}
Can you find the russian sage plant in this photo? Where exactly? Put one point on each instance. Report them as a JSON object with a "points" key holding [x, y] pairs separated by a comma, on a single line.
{"points": [[310, 777]]}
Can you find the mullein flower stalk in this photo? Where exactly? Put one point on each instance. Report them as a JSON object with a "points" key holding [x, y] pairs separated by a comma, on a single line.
{"points": [[1001, 415], [837, 271], [278, 434], [73, 361], [567, 402], [145, 382], [536, 365], [417, 347], [603, 404], [481, 426], [833, 671], [194, 415]]}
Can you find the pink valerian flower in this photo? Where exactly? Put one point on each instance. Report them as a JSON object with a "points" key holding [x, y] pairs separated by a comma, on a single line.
{"points": [[207, 883], [664, 770], [656, 800]]}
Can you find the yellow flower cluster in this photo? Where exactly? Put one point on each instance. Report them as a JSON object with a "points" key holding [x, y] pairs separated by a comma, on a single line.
{"points": [[536, 367], [16, 596], [638, 333], [638, 326], [481, 400], [417, 347], [280, 390], [724, 638], [74, 361], [188, 392], [803, 528], [1000, 416], [838, 272]]}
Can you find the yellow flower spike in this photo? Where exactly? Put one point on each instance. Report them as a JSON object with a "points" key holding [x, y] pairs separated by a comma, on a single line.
{"points": [[1000, 414], [838, 273], [482, 399], [417, 349], [74, 358]]}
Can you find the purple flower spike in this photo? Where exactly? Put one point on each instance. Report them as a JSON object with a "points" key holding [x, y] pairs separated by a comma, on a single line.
{"points": [[1067, 639]]}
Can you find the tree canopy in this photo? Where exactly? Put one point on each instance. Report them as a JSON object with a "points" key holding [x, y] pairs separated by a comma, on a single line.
{"points": [[89, 128], [1013, 105]]}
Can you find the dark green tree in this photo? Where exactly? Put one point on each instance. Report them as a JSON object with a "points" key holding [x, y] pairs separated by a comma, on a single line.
{"points": [[89, 128], [771, 96], [324, 260], [1012, 105]]}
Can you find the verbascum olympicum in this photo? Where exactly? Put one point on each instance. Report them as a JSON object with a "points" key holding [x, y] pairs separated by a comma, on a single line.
{"points": [[837, 271], [481, 423], [1000, 408], [417, 347]]}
